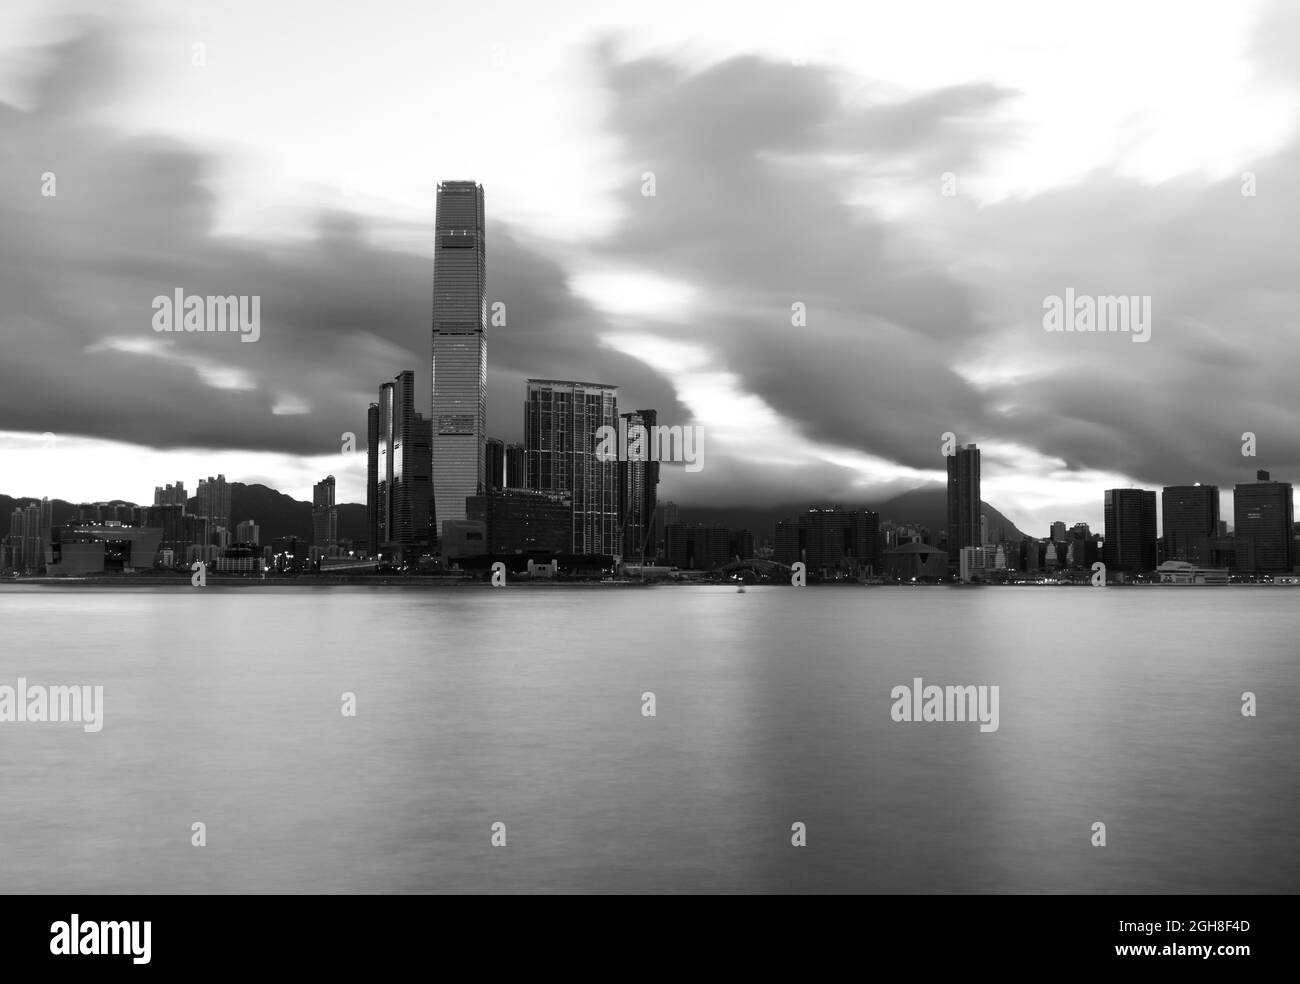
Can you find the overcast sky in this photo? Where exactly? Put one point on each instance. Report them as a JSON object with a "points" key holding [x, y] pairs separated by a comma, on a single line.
{"points": [[799, 154]]}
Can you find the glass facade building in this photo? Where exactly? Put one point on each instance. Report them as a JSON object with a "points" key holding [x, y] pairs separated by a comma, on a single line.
{"points": [[458, 365], [561, 421]]}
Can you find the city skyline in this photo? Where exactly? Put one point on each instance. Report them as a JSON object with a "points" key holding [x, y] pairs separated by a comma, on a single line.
{"points": [[693, 317]]}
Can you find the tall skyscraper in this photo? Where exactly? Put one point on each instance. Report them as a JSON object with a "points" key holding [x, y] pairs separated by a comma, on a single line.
{"points": [[212, 509], [400, 493], [496, 463], [1263, 519], [214, 500], [166, 514], [1190, 517], [33, 541], [458, 373], [638, 486], [372, 480], [516, 473], [324, 514], [396, 418], [14, 541], [963, 500], [423, 530], [1130, 530], [561, 421]]}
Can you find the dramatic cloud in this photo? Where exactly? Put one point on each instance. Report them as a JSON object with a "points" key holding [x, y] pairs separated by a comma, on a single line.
{"points": [[132, 218], [934, 323], [812, 281]]}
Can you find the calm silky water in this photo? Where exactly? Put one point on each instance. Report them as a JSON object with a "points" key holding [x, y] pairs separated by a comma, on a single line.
{"points": [[524, 706]]}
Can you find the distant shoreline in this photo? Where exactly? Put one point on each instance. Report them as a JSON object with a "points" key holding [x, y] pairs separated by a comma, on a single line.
{"points": [[130, 581]]}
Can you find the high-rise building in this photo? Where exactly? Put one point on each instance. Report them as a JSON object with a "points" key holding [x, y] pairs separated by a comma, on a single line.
{"points": [[458, 374], [172, 495], [248, 532], [963, 500], [841, 541], [516, 471], [400, 491], [832, 542], [1190, 517], [495, 449], [167, 514], [372, 480], [638, 486], [1130, 543], [33, 540], [324, 514], [213, 507], [1082, 547], [561, 423], [14, 541], [392, 492], [788, 542], [14, 544], [1030, 554], [424, 530], [697, 546], [1262, 519]]}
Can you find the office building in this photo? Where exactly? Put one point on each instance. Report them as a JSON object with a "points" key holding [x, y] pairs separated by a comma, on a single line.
{"points": [[458, 365], [372, 480], [324, 514], [963, 500], [561, 422], [516, 474], [1263, 519], [496, 463], [1190, 519], [399, 497], [697, 546], [1130, 544], [638, 486]]}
